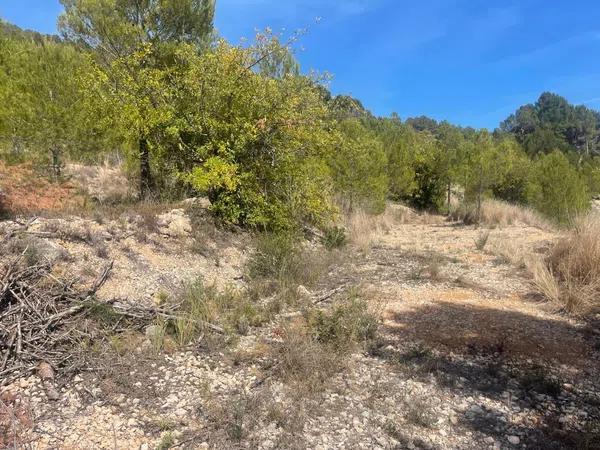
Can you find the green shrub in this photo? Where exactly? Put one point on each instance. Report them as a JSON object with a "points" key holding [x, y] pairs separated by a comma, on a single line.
{"points": [[350, 322], [334, 237], [281, 261], [556, 188], [274, 256], [430, 187]]}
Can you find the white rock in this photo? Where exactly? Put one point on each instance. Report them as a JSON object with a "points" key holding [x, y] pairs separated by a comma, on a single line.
{"points": [[514, 440]]}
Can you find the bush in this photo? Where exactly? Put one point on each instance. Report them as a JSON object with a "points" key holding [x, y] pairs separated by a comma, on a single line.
{"points": [[280, 260], [314, 348], [304, 362], [499, 213], [350, 322], [359, 168], [334, 237], [274, 256], [556, 189], [430, 187], [570, 276]]}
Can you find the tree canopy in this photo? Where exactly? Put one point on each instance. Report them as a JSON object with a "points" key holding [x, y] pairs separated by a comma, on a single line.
{"points": [[269, 145]]}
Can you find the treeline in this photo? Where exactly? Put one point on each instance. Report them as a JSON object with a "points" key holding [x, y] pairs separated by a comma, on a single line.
{"points": [[269, 146]]}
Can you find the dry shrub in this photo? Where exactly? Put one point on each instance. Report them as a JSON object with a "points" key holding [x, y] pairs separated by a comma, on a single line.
{"points": [[509, 251], [304, 362], [364, 228], [570, 276], [106, 183], [499, 213], [316, 347]]}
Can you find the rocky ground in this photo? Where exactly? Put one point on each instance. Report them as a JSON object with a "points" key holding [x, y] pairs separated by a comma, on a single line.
{"points": [[467, 356]]}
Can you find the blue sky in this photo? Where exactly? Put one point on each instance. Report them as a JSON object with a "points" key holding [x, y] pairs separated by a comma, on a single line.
{"points": [[471, 62]]}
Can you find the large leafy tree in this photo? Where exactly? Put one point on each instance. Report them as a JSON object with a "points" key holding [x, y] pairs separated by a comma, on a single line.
{"points": [[137, 44], [256, 145]]}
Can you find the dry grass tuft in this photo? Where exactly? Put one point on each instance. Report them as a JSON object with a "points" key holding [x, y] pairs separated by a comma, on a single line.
{"points": [[500, 213], [482, 240], [570, 275], [316, 347], [106, 183], [509, 251], [365, 229]]}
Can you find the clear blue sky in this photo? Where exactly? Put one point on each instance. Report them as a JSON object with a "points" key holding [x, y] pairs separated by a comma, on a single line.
{"points": [[469, 61]]}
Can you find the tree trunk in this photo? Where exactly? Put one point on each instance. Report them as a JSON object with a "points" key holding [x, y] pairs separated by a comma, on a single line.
{"points": [[479, 195], [56, 162], [145, 175], [449, 196]]}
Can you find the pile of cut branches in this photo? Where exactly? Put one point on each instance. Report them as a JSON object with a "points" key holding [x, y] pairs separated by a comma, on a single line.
{"points": [[39, 317]]}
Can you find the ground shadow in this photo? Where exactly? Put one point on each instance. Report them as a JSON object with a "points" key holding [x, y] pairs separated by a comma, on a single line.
{"points": [[542, 367]]}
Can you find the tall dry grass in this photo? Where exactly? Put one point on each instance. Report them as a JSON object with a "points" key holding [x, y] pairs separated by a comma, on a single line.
{"points": [[499, 213], [106, 182], [570, 276], [365, 229]]}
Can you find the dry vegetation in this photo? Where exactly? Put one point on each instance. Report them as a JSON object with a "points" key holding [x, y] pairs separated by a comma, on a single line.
{"points": [[303, 317], [569, 276], [499, 213]]}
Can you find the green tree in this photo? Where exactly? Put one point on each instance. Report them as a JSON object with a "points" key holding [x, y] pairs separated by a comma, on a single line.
{"points": [[450, 142], [257, 146], [359, 167], [514, 170], [137, 46], [556, 188], [484, 167], [41, 97], [400, 142]]}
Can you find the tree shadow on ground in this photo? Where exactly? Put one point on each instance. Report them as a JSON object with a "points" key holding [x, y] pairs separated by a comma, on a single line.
{"points": [[519, 361]]}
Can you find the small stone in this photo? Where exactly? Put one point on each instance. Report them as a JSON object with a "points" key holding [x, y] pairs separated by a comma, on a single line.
{"points": [[303, 292], [514, 440]]}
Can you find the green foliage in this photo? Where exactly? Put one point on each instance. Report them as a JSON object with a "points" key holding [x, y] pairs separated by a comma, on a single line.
{"points": [[334, 237], [590, 170], [274, 255], [553, 123], [349, 322], [271, 148], [556, 188], [140, 49], [400, 142], [257, 146], [514, 167], [358, 166], [40, 93]]}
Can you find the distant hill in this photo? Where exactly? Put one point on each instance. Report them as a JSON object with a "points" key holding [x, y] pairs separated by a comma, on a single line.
{"points": [[14, 32]]}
